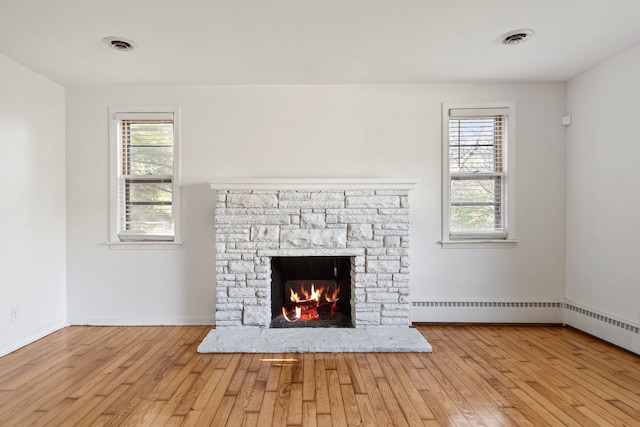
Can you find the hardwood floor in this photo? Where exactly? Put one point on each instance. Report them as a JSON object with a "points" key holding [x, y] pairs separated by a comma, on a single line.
{"points": [[477, 375]]}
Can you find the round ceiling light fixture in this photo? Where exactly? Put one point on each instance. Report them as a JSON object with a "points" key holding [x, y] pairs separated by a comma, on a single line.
{"points": [[516, 37], [119, 43]]}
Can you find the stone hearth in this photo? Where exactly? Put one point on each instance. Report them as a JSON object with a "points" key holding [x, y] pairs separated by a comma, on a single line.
{"points": [[366, 220]]}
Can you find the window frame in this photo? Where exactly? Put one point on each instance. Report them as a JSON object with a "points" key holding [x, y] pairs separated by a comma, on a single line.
{"points": [[116, 115], [473, 239]]}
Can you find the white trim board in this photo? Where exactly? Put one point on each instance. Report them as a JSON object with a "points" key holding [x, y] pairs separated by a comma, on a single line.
{"points": [[33, 337], [135, 321], [312, 184], [619, 332]]}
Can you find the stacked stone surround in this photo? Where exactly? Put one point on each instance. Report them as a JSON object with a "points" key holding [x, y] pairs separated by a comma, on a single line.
{"points": [[369, 225]]}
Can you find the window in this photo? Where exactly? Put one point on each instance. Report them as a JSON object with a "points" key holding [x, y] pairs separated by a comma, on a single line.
{"points": [[145, 189], [477, 167]]}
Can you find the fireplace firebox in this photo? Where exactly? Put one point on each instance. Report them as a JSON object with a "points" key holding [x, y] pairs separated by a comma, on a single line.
{"points": [[311, 291]]}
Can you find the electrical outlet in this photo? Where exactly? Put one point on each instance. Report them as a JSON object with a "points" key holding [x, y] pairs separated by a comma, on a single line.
{"points": [[14, 313]]}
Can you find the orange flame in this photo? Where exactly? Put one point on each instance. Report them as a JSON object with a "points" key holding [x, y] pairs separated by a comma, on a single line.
{"points": [[294, 296], [315, 295], [332, 297], [310, 301], [293, 319]]}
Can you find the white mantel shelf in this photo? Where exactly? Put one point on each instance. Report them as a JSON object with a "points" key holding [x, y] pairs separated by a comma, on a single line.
{"points": [[312, 184]]}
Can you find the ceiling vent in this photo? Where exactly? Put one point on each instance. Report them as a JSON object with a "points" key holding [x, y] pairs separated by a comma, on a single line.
{"points": [[516, 37], [119, 43]]}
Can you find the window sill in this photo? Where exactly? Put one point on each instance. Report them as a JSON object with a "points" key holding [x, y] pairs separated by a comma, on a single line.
{"points": [[478, 243], [145, 245]]}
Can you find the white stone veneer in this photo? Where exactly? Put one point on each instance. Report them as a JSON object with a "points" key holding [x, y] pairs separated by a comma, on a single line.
{"points": [[369, 225]]}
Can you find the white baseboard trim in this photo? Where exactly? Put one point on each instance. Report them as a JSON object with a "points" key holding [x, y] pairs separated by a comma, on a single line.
{"points": [[487, 311], [35, 336], [137, 321], [622, 333]]}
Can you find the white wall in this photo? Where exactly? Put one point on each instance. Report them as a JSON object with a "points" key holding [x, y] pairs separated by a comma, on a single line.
{"points": [[32, 162], [310, 131], [603, 232]]}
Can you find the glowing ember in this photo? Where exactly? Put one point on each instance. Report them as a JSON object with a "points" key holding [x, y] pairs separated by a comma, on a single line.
{"points": [[304, 303]]}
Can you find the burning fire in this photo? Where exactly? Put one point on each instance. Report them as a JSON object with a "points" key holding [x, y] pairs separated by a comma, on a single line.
{"points": [[306, 303]]}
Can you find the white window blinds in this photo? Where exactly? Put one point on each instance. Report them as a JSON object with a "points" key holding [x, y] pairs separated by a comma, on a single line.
{"points": [[477, 140], [146, 176]]}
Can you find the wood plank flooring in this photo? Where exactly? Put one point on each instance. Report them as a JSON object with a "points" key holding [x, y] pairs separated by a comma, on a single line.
{"points": [[476, 376]]}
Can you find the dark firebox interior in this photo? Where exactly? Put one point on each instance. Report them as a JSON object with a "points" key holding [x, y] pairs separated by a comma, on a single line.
{"points": [[309, 269]]}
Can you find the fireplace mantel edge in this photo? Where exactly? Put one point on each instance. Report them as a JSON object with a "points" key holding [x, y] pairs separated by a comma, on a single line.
{"points": [[312, 184]]}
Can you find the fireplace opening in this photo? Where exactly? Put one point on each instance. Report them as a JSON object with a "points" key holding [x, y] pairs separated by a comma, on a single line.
{"points": [[311, 292]]}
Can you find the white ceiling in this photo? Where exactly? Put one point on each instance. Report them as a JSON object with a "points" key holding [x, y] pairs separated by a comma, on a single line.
{"points": [[193, 42]]}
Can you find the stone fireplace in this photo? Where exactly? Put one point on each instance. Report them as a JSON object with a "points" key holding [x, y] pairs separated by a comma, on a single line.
{"points": [[361, 222]]}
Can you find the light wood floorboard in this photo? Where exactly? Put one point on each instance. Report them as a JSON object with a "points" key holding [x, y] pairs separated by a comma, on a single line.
{"points": [[476, 376]]}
